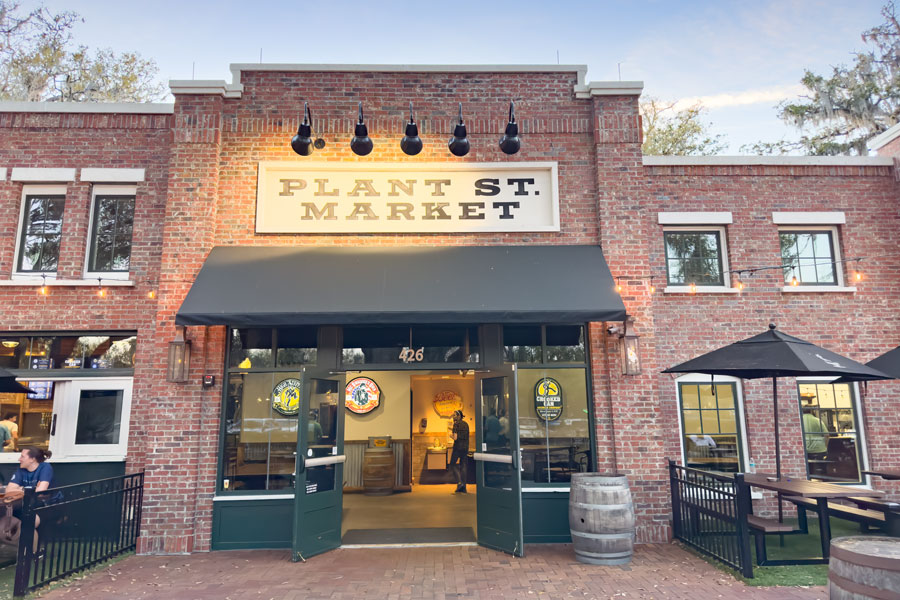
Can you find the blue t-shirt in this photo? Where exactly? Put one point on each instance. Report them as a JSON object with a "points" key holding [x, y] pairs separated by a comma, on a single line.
{"points": [[26, 478]]}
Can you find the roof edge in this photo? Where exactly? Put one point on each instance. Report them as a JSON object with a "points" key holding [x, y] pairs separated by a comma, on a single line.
{"points": [[884, 138], [141, 108], [778, 161]]}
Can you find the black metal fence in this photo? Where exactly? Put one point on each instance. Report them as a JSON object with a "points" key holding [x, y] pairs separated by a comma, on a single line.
{"points": [[709, 514], [78, 526]]}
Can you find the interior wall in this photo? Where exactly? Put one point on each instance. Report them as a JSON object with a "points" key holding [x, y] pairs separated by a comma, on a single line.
{"points": [[425, 387], [391, 418]]}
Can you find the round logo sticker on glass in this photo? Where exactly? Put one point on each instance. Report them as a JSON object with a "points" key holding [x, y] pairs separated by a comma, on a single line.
{"points": [[548, 401], [362, 395], [286, 397]]}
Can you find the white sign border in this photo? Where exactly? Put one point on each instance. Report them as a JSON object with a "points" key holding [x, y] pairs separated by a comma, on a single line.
{"points": [[341, 166]]}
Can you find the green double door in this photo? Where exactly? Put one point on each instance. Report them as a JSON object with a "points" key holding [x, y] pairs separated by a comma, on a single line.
{"points": [[319, 472]]}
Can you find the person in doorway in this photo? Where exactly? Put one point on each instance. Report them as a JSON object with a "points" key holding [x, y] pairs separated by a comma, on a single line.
{"points": [[492, 429], [10, 422], [459, 457], [504, 427], [314, 429]]}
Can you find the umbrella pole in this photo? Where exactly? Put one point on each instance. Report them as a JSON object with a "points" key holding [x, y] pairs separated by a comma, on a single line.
{"points": [[777, 451]]}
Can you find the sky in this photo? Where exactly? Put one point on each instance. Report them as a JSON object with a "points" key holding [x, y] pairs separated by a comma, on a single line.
{"points": [[739, 59]]}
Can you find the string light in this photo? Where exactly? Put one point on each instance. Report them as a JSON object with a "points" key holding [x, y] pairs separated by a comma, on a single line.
{"points": [[151, 294], [794, 281], [100, 291], [618, 286], [739, 284], [693, 288], [44, 289]]}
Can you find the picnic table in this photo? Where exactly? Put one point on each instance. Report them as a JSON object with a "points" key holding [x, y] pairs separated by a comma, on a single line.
{"points": [[814, 490], [890, 475]]}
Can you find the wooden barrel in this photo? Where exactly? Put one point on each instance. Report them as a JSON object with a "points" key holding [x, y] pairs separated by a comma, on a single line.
{"points": [[378, 471], [864, 567], [601, 518]]}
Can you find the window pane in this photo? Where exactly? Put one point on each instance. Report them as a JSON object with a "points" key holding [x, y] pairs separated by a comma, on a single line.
{"points": [[522, 343], [259, 441], [297, 346], [710, 420], [693, 257], [711, 434], [14, 352], [692, 421], [726, 396], [445, 343], [251, 348], [111, 243], [808, 256], [553, 449], [322, 434], [689, 396], [565, 343], [829, 432], [34, 414], [99, 417], [707, 399], [374, 345], [727, 421]]}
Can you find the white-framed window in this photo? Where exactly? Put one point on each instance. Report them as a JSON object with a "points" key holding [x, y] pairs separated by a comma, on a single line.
{"points": [[831, 422], [78, 420], [108, 254], [39, 234], [696, 258], [811, 255], [711, 426]]}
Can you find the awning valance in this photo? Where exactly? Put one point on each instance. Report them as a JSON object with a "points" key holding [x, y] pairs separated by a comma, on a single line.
{"points": [[276, 286]]}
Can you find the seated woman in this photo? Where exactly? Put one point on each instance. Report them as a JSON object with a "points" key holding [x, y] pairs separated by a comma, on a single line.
{"points": [[33, 472]]}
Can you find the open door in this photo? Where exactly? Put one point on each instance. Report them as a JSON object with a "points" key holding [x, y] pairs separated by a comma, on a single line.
{"points": [[319, 469], [497, 462]]}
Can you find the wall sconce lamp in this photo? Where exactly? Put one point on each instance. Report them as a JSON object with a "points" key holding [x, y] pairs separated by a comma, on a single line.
{"points": [[361, 144], [510, 142], [302, 143], [459, 143], [179, 357], [630, 348], [411, 143]]}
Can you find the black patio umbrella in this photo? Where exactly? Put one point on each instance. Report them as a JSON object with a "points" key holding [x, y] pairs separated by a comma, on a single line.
{"points": [[775, 354], [889, 363], [9, 385]]}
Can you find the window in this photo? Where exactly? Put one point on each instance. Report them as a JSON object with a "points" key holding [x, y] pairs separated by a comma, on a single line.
{"points": [[266, 348], [543, 344], [695, 256], [446, 344], [41, 230], [87, 351], [830, 431], [809, 255], [710, 419], [112, 222]]}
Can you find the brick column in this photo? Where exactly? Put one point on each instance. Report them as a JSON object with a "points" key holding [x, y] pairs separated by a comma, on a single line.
{"points": [[179, 433]]}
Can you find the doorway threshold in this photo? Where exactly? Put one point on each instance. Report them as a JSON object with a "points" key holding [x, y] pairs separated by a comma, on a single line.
{"points": [[408, 536], [411, 545]]}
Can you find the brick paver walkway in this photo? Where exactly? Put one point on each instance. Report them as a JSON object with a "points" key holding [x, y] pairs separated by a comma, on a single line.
{"points": [[547, 572]]}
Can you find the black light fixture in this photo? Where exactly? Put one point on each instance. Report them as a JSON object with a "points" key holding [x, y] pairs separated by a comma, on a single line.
{"points": [[361, 144], [302, 143], [459, 143], [510, 142], [179, 357], [411, 143]]}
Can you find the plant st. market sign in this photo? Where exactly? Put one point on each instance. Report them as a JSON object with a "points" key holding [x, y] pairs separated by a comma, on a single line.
{"points": [[417, 198]]}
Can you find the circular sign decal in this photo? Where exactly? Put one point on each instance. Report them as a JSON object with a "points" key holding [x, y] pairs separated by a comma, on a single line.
{"points": [[548, 402], [286, 397], [362, 395], [446, 402]]}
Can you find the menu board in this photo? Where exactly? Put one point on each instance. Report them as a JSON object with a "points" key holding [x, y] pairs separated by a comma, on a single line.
{"points": [[43, 390]]}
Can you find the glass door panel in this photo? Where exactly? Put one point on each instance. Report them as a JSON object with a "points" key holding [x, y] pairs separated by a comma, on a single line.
{"points": [[92, 418]]}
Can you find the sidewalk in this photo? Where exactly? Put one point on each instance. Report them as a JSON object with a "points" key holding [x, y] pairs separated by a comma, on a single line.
{"points": [[548, 571]]}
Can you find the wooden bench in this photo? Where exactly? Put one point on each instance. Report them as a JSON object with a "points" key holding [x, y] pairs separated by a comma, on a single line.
{"points": [[759, 527], [866, 517]]}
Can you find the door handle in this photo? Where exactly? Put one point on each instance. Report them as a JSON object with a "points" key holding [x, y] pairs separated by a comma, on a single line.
{"points": [[326, 460], [299, 463], [53, 425]]}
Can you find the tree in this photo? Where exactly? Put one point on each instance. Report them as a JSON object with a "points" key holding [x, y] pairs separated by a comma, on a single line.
{"points": [[844, 110], [38, 63], [668, 131]]}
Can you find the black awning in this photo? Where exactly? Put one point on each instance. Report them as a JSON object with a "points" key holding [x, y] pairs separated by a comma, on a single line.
{"points": [[273, 286]]}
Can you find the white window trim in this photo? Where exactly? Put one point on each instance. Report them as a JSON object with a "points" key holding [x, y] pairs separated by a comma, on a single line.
{"points": [[2, 173], [695, 218], [105, 190], [809, 218], [723, 249], [838, 266], [703, 378], [857, 406], [42, 175], [112, 175], [33, 190]]}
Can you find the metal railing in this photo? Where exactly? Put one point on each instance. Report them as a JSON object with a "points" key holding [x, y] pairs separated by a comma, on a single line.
{"points": [[709, 514], [78, 527]]}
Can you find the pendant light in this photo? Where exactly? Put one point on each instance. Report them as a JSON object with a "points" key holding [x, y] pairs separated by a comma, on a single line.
{"points": [[302, 143], [411, 143], [361, 144], [510, 142], [459, 143]]}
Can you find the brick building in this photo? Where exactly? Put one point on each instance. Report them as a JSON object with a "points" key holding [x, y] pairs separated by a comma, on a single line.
{"points": [[303, 275]]}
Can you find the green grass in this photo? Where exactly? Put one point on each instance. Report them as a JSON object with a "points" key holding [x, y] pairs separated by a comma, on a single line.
{"points": [[8, 576], [795, 546]]}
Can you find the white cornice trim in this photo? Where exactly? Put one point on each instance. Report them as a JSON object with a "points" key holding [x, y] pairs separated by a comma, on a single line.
{"points": [[778, 161], [695, 218], [809, 218], [3, 174], [609, 88], [32, 174], [213, 87], [112, 175], [141, 108], [31, 281], [884, 138], [818, 289]]}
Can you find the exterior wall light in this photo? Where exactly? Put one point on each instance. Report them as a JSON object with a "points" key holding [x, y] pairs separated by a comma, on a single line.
{"points": [[361, 144], [302, 143], [459, 143], [179, 357], [630, 347], [411, 143], [510, 142]]}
